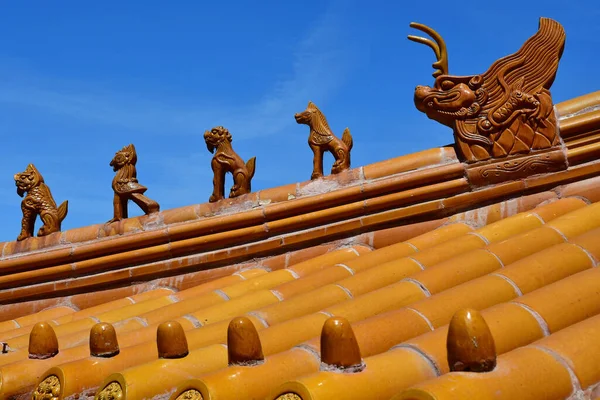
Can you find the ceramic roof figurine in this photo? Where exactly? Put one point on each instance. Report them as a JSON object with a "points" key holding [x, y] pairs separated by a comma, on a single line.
{"points": [[427, 276], [126, 186], [322, 139], [505, 111], [218, 141], [38, 201]]}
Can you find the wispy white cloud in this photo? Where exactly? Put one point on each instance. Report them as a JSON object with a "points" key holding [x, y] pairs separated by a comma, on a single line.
{"points": [[321, 64], [176, 174], [108, 108]]}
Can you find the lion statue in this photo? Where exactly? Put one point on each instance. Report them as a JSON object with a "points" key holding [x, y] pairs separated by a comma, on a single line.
{"points": [[38, 201], [126, 186], [322, 139], [218, 141]]}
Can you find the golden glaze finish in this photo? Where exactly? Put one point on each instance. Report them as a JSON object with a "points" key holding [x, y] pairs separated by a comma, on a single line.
{"points": [[470, 344], [374, 305], [438, 46], [488, 173], [171, 340], [38, 201], [578, 105], [322, 139], [112, 391], [48, 389], [218, 141], [190, 394], [243, 343], [126, 186], [339, 347], [43, 342], [103, 340], [505, 111]]}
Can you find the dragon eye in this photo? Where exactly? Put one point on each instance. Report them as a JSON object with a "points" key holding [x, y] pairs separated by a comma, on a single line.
{"points": [[447, 85]]}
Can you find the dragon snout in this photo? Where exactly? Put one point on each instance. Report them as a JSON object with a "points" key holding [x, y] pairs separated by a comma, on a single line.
{"points": [[422, 91]]}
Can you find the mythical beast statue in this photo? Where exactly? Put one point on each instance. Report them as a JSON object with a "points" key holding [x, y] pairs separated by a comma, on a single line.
{"points": [[322, 139], [38, 201], [505, 111], [226, 160], [126, 186]]}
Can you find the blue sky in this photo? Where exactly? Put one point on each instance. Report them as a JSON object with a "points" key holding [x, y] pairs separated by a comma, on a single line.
{"points": [[79, 80]]}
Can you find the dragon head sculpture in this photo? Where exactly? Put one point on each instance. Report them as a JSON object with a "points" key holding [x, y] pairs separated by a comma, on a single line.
{"points": [[506, 110]]}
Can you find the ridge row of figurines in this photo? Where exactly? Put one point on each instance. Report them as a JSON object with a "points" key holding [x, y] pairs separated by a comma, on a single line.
{"points": [[39, 201], [505, 112]]}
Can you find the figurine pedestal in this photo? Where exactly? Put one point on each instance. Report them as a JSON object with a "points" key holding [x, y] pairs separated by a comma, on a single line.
{"points": [[516, 167]]}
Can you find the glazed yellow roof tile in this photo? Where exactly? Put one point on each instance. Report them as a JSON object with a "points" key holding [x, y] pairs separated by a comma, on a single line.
{"points": [[378, 265], [558, 366], [512, 326], [509, 289], [455, 254], [160, 309]]}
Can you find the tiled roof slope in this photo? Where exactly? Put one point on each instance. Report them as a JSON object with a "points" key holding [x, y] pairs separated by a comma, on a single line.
{"points": [[394, 248], [524, 270], [423, 186]]}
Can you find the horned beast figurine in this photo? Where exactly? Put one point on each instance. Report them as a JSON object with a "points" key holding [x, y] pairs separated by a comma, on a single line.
{"points": [[322, 139], [505, 111], [126, 186], [218, 141], [38, 201]]}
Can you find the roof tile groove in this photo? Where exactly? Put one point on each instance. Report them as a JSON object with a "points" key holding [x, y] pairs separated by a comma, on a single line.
{"points": [[582, 123], [200, 289], [393, 250], [577, 105], [154, 310], [456, 225], [135, 382], [501, 318], [511, 289], [452, 228], [573, 346], [549, 379], [366, 221]]}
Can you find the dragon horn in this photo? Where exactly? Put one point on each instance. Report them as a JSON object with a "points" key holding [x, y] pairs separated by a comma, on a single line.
{"points": [[439, 47]]}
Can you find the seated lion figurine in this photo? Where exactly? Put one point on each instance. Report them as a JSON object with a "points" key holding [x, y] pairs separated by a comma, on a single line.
{"points": [[226, 160], [38, 201]]}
